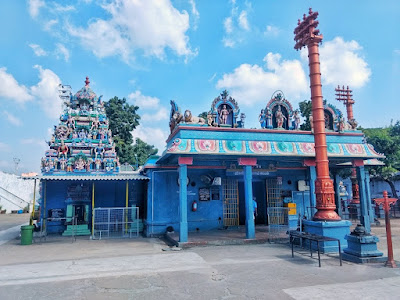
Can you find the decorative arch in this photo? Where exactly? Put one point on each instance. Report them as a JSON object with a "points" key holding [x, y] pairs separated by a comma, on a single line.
{"points": [[332, 115], [278, 100], [224, 101]]}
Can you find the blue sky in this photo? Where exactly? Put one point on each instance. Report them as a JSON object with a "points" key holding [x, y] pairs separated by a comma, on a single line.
{"points": [[188, 50]]}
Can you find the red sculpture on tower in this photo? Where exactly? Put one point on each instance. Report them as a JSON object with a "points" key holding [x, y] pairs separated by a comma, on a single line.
{"points": [[306, 34]]}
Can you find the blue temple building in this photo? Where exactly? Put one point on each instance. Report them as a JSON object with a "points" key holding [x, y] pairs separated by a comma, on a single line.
{"points": [[81, 173], [212, 169]]}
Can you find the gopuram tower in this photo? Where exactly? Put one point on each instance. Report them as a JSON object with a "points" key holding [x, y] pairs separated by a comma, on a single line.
{"points": [[82, 141]]}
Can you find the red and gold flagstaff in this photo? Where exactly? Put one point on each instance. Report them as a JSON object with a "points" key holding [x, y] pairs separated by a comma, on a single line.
{"points": [[345, 95], [306, 34], [386, 207]]}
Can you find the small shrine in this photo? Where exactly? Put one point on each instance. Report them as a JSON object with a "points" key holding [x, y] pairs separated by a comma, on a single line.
{"points": [[81, 174], [82, 141]]}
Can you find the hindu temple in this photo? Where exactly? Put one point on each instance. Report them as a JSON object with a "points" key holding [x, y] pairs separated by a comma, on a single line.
{"points": [[216, 174], [81, 170]]}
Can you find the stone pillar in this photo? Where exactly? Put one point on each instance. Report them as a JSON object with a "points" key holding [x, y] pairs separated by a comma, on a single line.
{"points": [[337, 195], [364, 216], [248, 163], [370, 207], [183, 225], [312, 173]]}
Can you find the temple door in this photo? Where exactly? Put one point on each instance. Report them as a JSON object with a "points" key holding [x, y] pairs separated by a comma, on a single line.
{"points": [[231, 202], [275, 211]]}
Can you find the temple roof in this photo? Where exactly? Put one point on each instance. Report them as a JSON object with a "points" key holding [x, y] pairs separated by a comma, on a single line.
{"points": [[86, 92]]}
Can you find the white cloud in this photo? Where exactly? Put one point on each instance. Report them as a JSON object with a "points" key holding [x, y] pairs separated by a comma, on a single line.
{"points": [[212, 77], [243, 22], [46, 92], [152, 136], [195, 13], [12, 119], [49, 25], [271, 31], [34, 7], [103, 39], [228, 42], [5, 147], [342, 64], [11, 89], [61, 8], [151, 105], [396, 51], [159, 115], [144, 101], [236, 25], [41, 143], [228, 25], [62, 52], [150, 26], [251, 84], [38, 50]]}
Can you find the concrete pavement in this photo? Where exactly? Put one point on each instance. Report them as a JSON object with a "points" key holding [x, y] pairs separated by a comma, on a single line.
{"points": [[140, 269]]}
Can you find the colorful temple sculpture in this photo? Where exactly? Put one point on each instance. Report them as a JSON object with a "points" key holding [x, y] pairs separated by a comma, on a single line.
{"points": [[82, 142], [81, 173], [212, 169]]}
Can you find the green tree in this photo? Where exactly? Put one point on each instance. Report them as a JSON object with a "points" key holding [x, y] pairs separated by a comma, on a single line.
{"points": [[387, 141], [142, 151], [203, 115], [305, 110], [123, 119]]}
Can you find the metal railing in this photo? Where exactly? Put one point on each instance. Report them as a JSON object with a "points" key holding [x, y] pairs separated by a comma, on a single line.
{"points": [[115, 222]]}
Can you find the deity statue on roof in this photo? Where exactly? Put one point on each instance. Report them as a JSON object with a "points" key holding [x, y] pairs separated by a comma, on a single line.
{"points": [[262, 118], [223, 114], [280, 117]]}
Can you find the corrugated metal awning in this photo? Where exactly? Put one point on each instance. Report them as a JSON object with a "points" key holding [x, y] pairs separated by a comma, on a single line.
{"points": [[89, 177]]}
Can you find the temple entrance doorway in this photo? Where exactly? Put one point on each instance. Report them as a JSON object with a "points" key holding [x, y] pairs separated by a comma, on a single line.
{"points": [[275, 210], [79, 213], [231, 202], [260, 196]]}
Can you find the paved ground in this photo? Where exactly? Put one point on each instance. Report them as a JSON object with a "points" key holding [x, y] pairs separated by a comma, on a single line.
{"points": [[140, 269]]}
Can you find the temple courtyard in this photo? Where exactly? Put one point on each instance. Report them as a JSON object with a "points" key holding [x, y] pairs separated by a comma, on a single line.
{"points": [[145, 268]]}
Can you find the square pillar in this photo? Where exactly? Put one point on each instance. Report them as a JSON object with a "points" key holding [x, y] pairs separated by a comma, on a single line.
{"points": [[183, 226], [370, 207], [312, 174], [247, 164], [364, 215], [337, 195]]}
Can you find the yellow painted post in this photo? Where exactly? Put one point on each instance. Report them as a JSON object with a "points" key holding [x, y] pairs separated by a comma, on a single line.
{"points": [[92, 208], [34, 200], [44, 206], [126, 205]]}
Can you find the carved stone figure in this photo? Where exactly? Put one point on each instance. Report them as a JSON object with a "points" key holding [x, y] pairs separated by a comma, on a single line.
{"points": [[192, 119], [95, 123], [71, 122], [223, 114], [311, 123], [82, 134], [296, 120], [262, 118], [79, 164], [268, 116], [280, 117], [62, 150], [353, 123], [99, 151]]}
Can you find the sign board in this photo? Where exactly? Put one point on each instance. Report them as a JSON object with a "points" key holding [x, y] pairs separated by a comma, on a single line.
{"points": [[56, 213], [204, 194]]}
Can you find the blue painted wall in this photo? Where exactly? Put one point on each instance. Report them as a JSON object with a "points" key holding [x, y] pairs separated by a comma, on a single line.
{"points": [[163, 204], [107, 194]]}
